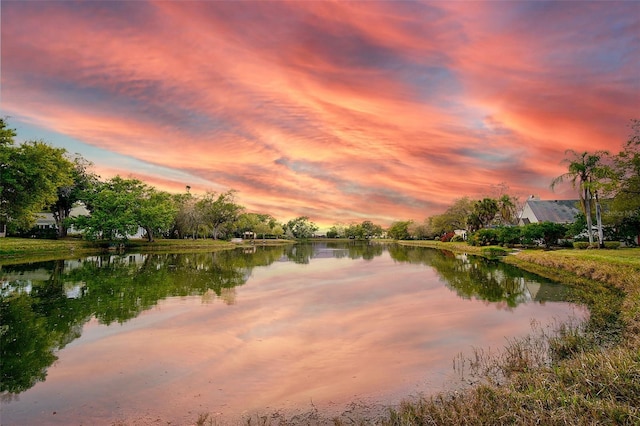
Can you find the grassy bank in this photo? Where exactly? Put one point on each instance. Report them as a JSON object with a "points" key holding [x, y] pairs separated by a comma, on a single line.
{"points": [[584, 378], [18, 250]]}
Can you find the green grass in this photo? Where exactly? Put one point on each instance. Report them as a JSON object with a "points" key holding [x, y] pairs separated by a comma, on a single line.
{"points": [[19, 250], [14, 250]]}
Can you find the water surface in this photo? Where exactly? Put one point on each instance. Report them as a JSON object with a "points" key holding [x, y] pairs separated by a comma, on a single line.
{"points": [[166, 337]]}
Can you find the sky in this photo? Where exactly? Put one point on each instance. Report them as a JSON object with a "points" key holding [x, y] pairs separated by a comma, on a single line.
{"points": [[339, 111]]}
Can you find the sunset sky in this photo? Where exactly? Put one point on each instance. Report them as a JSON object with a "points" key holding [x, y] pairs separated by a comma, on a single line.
{"points": [[340, 111]]}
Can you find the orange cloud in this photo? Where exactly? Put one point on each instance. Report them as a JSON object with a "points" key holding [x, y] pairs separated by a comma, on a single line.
{"points": [[340, 111]]}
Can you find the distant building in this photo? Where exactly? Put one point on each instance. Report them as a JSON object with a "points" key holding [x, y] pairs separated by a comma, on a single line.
{"points": [[557, 211], [45, 220]]}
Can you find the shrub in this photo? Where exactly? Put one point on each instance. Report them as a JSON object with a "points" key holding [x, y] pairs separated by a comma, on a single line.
{"points": [[545, 232], [581, 245], [494, 252], [509, 235], [484, 237]]}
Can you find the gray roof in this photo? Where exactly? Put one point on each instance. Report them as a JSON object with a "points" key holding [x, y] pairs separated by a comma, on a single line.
{"points": [[557, 211]]}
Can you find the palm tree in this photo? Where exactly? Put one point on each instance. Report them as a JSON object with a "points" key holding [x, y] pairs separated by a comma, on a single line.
{"points": [[587, 171], [507, 209]]}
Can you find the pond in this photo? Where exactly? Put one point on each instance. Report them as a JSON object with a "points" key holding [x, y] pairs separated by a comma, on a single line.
{"points": [[164, 337]]}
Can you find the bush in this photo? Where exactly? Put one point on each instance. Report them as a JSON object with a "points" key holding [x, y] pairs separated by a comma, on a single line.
{"points": [[547, 233], [509, 235], [494, 252], [581, 245], [484, 237], [457, 239]]}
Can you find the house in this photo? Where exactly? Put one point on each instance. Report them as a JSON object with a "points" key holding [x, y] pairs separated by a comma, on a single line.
{"points": [[45, 220], [557, 211]]}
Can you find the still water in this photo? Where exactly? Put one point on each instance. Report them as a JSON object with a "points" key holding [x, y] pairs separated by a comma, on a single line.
{"points": [[163, 337]]}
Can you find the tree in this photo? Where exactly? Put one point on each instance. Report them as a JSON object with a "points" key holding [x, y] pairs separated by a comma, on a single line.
{"points": [[30, 175], [119, 207], [371, 230], [484, 211], [420, 231], [625, 208], [301, 227], [187, 219], [219, 211], [70, 195], [260, 224], [507, 210], [455, 217], [155, 211], [547, 232], [400, 230], [333, 232], [111, 204], [587, 172]]}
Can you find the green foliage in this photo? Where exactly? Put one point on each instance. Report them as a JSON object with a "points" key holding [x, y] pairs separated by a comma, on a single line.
{"points": [[624, 212], [507, 214], [455, 217], [547, 233], [590, 173], [493, 252], [612, 245], [6, 134], [399, 230], [30, 175], [484, 237], [69, 195], [219, 212], [112, 207], [332, 232], [509, 235], [483, 213], [120, 206], [260, 224], [155, 211], [301, 227], [187, 220]]}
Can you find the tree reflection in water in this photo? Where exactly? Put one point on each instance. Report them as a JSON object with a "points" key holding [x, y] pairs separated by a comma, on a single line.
{"points": [[483, 279]]}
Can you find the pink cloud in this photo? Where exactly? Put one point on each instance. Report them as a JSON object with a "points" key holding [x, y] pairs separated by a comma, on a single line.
{"points": [[380, 110]]}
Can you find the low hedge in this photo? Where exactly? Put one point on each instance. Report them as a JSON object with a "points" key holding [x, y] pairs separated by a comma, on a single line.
{"points": [[582, 245]]}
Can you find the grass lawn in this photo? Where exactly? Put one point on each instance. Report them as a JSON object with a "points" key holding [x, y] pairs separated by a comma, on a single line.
{"points": [[19, 250]]}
